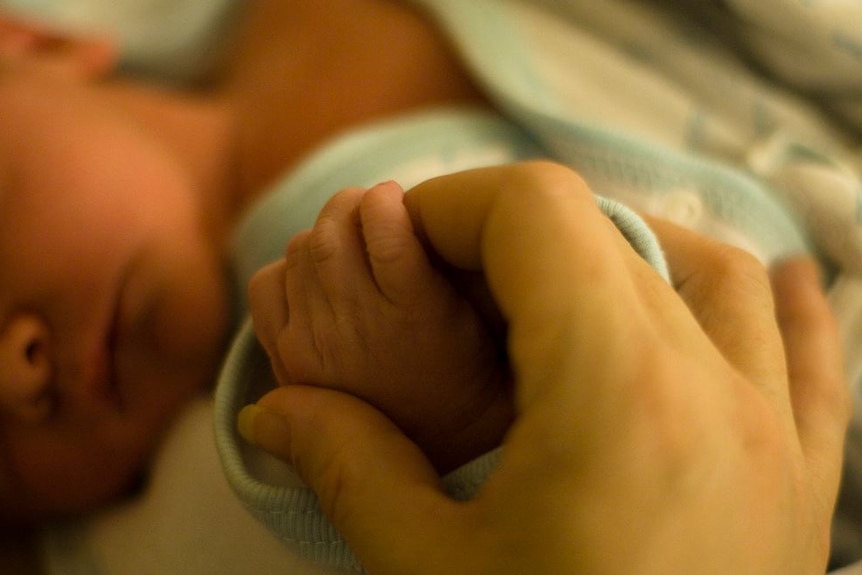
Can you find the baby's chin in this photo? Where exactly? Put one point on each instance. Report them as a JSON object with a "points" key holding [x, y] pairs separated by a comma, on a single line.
{"points": [[112, 466], [100, 492]]}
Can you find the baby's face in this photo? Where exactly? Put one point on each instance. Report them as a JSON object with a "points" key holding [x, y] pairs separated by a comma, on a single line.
{"points": [[112, 300]]}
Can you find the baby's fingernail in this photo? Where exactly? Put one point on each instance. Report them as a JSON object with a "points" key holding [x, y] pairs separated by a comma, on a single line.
{"points": [[389, 184]]}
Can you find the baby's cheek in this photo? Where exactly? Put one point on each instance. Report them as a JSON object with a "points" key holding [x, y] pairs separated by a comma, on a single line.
{"points": [[66, 471]]}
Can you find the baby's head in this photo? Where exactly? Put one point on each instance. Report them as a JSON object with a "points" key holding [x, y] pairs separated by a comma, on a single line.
{"points": [[113, 300]]}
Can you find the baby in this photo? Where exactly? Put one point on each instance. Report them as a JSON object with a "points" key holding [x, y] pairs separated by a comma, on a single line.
{"points": [[292, 83], [118, 199], [114, 304]]}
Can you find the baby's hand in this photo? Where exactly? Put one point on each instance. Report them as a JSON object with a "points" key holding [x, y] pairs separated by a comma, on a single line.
{"points": [[356, 305]]}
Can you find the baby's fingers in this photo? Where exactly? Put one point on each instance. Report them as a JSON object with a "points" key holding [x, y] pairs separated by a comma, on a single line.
{"points": [[398, 261], [269, 310], [336, 253]]}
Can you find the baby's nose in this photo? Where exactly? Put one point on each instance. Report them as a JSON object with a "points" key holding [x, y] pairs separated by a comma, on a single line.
{"points": [[25, 368]]}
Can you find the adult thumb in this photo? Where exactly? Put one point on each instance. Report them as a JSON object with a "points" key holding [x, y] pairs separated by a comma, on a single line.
{"points": [[373, 483]]}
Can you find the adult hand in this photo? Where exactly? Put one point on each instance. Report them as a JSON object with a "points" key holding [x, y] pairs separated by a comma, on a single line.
{"points": [[658, 431]]}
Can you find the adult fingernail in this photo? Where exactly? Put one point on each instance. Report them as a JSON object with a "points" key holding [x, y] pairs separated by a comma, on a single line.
{"points": [[245, 422], [265, 429]]}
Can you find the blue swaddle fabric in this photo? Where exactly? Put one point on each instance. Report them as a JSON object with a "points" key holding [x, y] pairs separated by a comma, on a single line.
{"points": [[408, 150], [647, 111], [656, 112], [170, 40], [815, 46]]}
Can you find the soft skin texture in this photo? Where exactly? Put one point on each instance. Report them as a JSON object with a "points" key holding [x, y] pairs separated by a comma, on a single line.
{"points": [[103, 335], [356, 305], [117, 201], [699, 429]]}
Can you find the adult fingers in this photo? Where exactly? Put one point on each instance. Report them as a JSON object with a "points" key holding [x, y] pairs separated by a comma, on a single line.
{"points": [[374, 485], [818, 387], [728, 292], [554, 265]]}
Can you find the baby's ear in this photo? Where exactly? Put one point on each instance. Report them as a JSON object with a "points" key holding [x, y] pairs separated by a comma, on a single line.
{"points": [[85, 56]]}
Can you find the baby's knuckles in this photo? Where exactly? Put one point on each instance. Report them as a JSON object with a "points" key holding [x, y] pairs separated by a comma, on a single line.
{"points": [[312, 356], [323, 240]]}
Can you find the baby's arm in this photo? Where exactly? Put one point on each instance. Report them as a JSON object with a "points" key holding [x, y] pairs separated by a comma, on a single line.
{"points": [[357, 305]]}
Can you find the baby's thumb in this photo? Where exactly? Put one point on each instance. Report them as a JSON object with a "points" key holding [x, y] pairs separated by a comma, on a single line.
{"points": [[374, 485]]}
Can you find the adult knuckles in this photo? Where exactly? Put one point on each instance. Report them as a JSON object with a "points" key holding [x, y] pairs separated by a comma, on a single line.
{"points": [[731, 276], [738, 271], [673, 405], [682, 413], [547, 181]]}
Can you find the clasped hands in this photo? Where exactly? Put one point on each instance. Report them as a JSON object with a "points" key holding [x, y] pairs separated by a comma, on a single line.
{"points": [[647, 428]]}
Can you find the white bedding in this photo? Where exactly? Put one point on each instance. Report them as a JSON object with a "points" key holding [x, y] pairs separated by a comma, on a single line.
{"points": [[188, 522]]}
